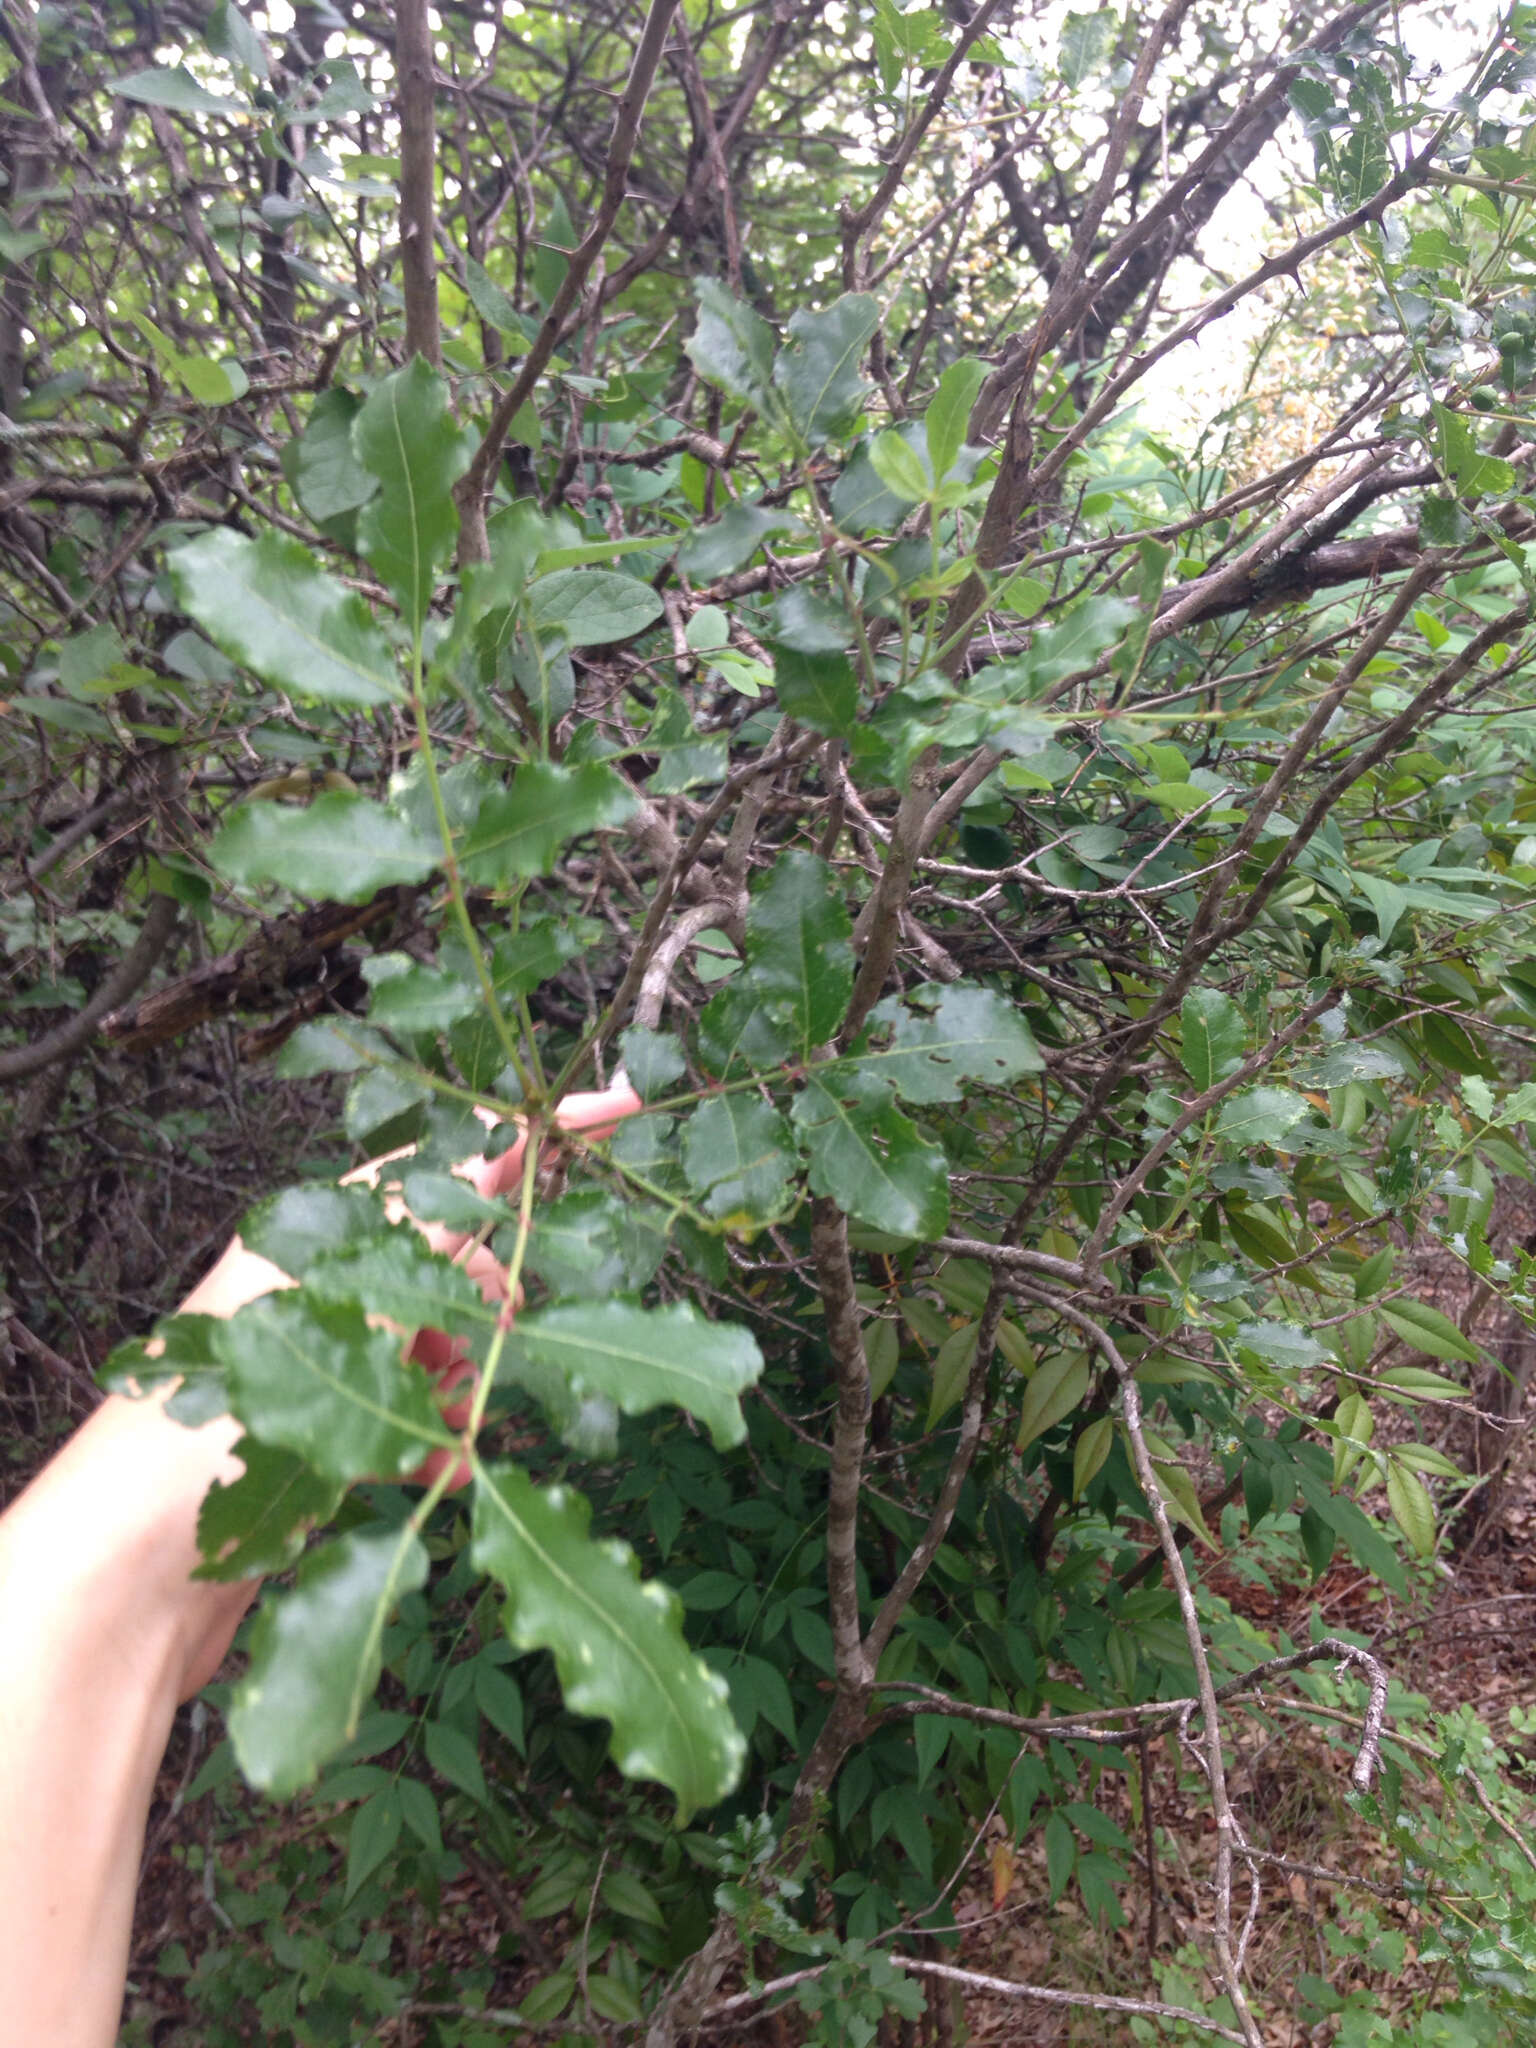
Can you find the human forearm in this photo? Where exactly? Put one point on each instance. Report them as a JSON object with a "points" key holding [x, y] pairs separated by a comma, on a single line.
{"points": [[102, 1639]]}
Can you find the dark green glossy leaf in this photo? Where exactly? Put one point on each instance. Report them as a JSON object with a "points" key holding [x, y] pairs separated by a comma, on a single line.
{"points": [[520, 831], [810, 624], [315, 1656], [405, 435], [376, 1102], [738, 1155], [269, 606], [644, 1358], [334, 1046], [434, 1197], [799, 955], [1282, 1344], [945, 1035], [257, 1524], [618, 1645], [1261, 1116], [343, 847], [861, 501], [1092, 626], [734, 1027], [870, 1159], [318, 1379], [818, 690]]}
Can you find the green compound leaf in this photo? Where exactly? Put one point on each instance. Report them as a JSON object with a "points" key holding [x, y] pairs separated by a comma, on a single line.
{"points": [[343, 847], [399, 1278], [1214, 1037], [732, 346], [315, 1377], [593, 607], [269, 606], [257, 1524], [405, 436], [817, 373], [643, 1358], [739, 1157], [799, 955], [520, 831], [869, 1159], [944, 1036], [618, 1645], [315, 1656], [589, 1243]]}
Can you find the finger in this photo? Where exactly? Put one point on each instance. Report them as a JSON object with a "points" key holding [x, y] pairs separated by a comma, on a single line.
{"points": [[450, 1365], [597, 1114]]}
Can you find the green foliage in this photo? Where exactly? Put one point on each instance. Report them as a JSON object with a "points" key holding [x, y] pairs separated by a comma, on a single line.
{"points": [[269, 606], [802, 641], [618, 1645]]}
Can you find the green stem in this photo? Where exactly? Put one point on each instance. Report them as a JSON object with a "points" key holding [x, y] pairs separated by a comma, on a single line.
{"points": [[456, 881]]}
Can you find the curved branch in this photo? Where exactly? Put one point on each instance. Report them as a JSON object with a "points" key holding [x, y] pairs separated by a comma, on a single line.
{"points": [[128, 975]]}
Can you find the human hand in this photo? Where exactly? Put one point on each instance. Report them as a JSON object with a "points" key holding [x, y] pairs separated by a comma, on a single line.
{"points": [[174, 1465], [595, 1115]]}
